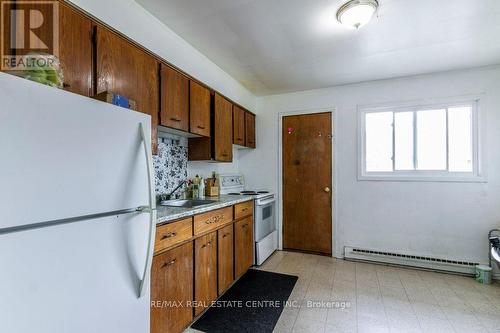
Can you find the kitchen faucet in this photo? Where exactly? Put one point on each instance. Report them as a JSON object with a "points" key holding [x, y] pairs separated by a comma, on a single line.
{"points": [[169, 195]]}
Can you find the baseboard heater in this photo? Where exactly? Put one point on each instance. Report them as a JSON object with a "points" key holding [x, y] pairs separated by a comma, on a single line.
{"points": [[401, 259]]}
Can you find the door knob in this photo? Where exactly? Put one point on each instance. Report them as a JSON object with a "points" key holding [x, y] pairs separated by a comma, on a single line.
{"points": [[327, 189]]}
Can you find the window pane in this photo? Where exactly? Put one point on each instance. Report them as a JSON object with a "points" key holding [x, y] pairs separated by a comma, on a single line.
{"points": [[404, 140], [431, 140], [460, 139], [379, 141]]}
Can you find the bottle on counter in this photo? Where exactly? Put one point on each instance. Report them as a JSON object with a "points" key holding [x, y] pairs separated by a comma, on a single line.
{"points": [[201, 188], [196, 187]]}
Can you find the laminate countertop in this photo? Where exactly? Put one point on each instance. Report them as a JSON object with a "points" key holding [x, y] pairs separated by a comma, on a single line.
{"points": [[170, 214]]}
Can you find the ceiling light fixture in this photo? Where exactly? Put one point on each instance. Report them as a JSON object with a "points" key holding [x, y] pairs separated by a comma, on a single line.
{"points": [[357, 13]]}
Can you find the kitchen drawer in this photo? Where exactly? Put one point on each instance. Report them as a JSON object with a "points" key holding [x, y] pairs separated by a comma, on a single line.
{"points": [[243, 209], [212, 220], [173, 233]]}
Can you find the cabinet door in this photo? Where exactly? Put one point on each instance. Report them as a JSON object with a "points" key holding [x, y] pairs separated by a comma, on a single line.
{"points": [[75, 41], [243, 246], [223, 129], [238, 126], [172, 282], [250, 130], [174, 99], [125, 69], [199, 109], [225, 252], [205, 272], [75, 50]]}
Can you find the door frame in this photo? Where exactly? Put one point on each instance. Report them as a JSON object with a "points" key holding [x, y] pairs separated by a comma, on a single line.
{"points": [[336, 250]]}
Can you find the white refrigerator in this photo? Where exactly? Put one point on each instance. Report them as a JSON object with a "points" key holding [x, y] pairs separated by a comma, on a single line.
{"points": [[77, 213]]}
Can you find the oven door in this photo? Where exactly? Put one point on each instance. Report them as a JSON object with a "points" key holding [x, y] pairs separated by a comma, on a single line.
{"points": [[265, 222]]}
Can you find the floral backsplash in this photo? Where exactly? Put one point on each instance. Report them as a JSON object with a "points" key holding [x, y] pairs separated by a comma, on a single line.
{"points": [[170, 165]]}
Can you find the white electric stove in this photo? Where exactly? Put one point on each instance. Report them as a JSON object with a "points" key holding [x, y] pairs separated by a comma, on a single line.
{"points": [[265, 230]]}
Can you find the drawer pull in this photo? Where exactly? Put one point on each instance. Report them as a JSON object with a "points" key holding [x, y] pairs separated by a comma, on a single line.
{"points": [[167, 264], [225, 235], [244, 210], [201, 127], [169, 235], [205, 245], [214, 219], [244, 225], [175, 119]]}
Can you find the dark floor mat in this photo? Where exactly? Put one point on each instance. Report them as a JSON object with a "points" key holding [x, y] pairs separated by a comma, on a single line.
{"points": [[253, 304]]}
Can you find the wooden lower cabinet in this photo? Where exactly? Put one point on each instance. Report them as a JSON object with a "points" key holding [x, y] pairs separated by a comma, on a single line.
{"points": [[205, 272], [243, 246], [225, 253], [172, 282]]}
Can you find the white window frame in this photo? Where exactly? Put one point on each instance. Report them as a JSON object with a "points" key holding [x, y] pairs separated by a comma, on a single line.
{"points": [[477, 175]]}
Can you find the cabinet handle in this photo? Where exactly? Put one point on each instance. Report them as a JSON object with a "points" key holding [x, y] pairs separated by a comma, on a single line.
{"points": [[169, 235], [66, 85], [225, 235], [205, 245], [244, 209], [175, 119], [244, 225], [201, 127], [214, 219], [224, 155], [167, 264]]}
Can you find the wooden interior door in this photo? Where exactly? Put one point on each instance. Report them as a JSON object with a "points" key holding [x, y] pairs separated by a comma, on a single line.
{"points": [[307, 179]]}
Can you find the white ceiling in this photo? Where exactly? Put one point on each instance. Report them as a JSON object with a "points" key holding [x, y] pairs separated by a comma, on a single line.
{"points": [[276, 46]]}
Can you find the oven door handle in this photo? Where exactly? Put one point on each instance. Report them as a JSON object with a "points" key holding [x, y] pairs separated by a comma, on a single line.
{"points": [[265, 202]]}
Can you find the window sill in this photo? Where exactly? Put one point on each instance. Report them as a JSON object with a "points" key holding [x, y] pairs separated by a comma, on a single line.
{"points": [[434, 179]]}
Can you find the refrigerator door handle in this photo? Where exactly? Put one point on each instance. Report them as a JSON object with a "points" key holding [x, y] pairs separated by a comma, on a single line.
{"points": [[146, 275]]}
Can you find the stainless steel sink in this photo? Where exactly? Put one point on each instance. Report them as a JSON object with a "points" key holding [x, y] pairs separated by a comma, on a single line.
{"points": [[189, 203]]}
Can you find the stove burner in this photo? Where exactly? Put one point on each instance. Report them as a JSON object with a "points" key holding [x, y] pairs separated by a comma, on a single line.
{"points": [[248, 192]]}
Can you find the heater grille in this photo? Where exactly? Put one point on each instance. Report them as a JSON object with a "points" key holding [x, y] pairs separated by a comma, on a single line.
{"points": [[427, 262]]}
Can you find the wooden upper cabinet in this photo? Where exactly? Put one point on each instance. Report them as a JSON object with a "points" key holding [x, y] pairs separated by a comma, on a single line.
{"points": [[75, 42], [199, 109], [174, 99], [125, 69], [223, 122], [172, 281], [250, 130], [75, 50], [238, 126]]}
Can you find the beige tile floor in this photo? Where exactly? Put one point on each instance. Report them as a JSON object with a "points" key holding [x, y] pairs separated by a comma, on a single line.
{"points": [[379, 298]]}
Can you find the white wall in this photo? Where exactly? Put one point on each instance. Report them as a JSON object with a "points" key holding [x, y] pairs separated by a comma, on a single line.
{"points": [[439, 219], [205, 169], [128, 17]]}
